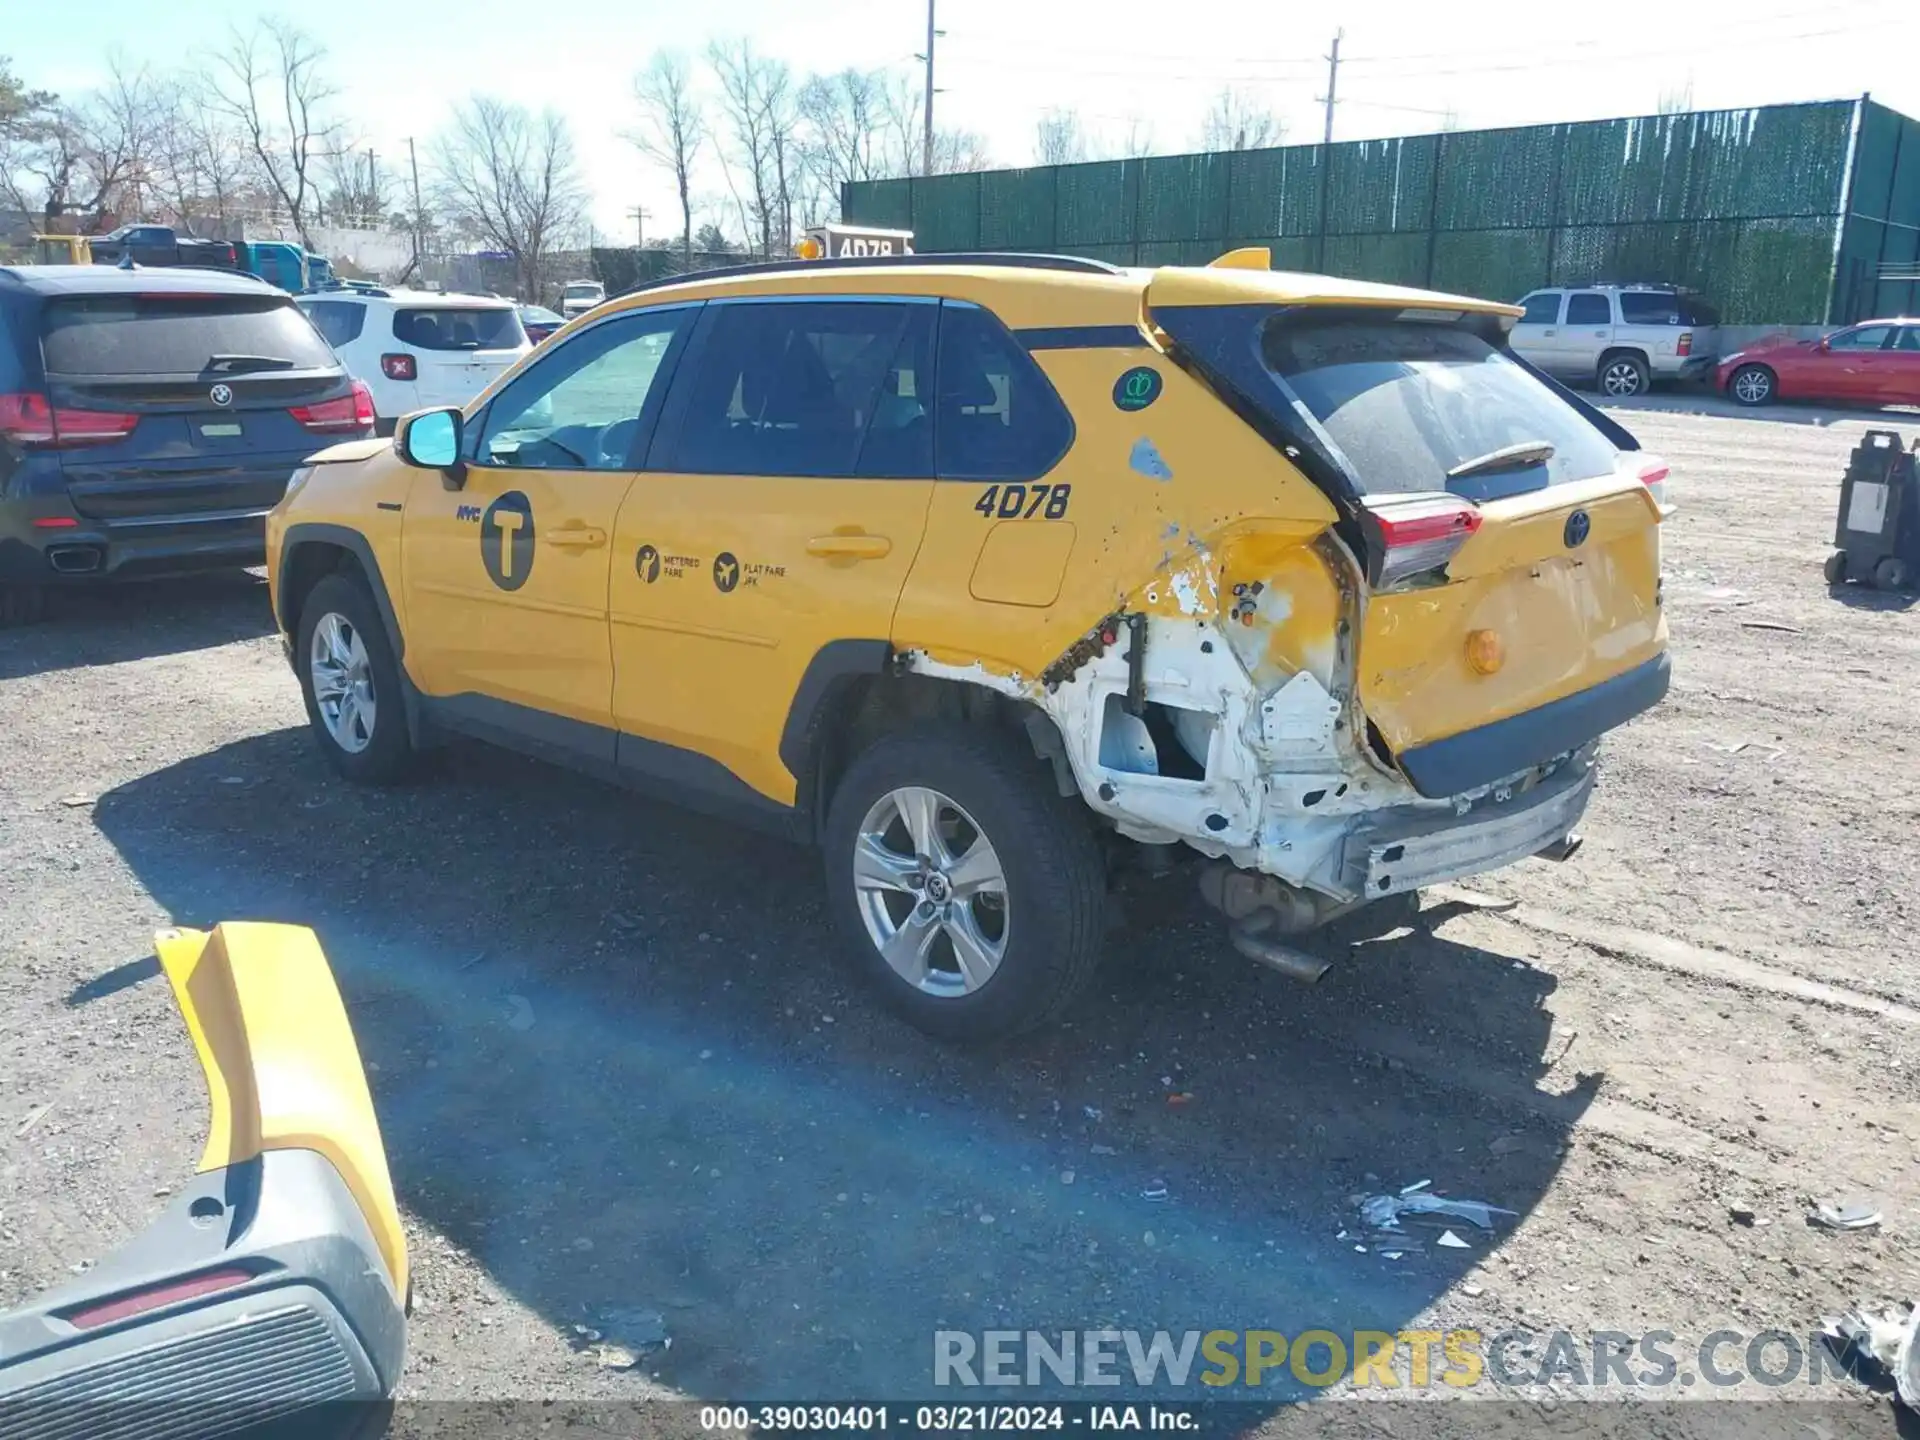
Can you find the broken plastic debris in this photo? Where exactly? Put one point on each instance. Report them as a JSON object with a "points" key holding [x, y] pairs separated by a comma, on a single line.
{"points": [[1450, 1241], [1180, 1097], [1886, 1341], [522, 1017], [1850, 1216], [1156, 1190], [1093, 1112], [1384, 1211], [1415, 1188], [1105, 1150]]}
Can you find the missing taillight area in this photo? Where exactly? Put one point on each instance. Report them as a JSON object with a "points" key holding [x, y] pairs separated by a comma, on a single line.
{"points": [[155, 1297]]}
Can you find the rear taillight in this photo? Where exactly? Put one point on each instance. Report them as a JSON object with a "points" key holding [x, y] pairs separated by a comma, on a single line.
{"points": [[398, 367], [1416, 534], [1652, 472], [56, 522], [171, 1292], [28, 419], [353, 411], [1684, 345]]}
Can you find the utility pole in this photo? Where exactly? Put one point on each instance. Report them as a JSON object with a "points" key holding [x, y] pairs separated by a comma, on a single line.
{"points": [[1333, 81], [926, 140], [639, 215], [419, 246], [373, 188]]}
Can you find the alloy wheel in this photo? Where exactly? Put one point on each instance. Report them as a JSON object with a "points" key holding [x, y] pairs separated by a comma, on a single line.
{"points": [[931, 891], [342, 677]]}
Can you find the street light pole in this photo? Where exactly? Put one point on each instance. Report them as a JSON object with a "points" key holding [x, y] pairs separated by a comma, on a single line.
{"points": [[926, 141]]}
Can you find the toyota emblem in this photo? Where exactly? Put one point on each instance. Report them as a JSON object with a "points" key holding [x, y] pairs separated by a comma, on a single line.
{"points": [[1578, 527], [221, 394]]}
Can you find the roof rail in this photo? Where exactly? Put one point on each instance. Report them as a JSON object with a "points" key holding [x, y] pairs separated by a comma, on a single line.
{"points": [[1012, 260]]}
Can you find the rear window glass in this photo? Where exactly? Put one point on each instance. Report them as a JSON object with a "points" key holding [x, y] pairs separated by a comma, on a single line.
{"points": [[581, 292], [1409, 401], [1650, 307], [175, 334], [458, 328], [1695, 311]]}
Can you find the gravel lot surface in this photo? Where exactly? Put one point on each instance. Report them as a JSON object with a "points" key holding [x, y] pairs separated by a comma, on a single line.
{"points": [[625, 1085]]}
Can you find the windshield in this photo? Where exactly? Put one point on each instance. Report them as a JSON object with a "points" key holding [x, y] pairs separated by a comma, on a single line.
{"points": [[465, 327], [1408, 401], [176, 334]]}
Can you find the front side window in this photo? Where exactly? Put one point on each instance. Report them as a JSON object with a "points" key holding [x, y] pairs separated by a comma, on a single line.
{"points": [[1867, 337], [583, 406], [1541, 309], [999, 417], [1409, 401], [1589, 307], [809, 388], [458, 327]]}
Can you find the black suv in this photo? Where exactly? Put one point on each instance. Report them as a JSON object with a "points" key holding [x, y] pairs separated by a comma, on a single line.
{"points": [[149, 419]]}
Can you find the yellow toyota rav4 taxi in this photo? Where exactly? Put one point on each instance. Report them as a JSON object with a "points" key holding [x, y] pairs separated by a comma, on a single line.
{"points": [[983, 571]]}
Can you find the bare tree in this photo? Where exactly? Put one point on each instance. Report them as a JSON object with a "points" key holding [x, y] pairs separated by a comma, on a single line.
{"points": [[1676, 102], [758, 104], [672, 129], [508, 178], [1060, 139], [898, 150], [960, 152], [84, 160], [200, 165], [842, 117], [1137, 143], [269, 82], [356, 188], [1238, 121]]}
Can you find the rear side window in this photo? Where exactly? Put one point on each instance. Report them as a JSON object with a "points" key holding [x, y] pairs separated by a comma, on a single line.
{"points": [[819, 388], [1650, 307], [176, 334], [338, 321], [999, 418], [458, 328], [1589, 307], [1408, 401], [1541, 310], [1695, 311]]}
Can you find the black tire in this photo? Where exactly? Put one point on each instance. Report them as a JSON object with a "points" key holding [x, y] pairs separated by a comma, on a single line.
{"points": [[22, 605], [389, 750], [1622, 376], [1757, 381], [1891, 573], [1836, 567], [1056, 886]]}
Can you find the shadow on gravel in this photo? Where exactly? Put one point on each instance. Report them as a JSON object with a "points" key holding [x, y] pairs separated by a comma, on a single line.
{"points": [[110, 624], [614, 1058], [1859, 597]]}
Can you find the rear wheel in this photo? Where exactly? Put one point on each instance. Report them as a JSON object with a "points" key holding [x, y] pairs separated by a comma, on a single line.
{"points": [[1752, 385], [22, 604], [1621, 377], [1891, 573], [351, 682], [970, 892], [1836, 567]]}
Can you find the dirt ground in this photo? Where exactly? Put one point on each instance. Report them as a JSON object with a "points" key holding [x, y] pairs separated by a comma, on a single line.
{"points": [[624, 1084]]}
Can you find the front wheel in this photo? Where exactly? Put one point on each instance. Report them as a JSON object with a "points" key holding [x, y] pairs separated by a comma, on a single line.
{"points": [[351, 683], [1622, 377], [1751, 385], [970, 892]]}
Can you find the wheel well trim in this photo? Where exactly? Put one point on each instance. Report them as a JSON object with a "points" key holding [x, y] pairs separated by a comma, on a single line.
{"points": [[833, 663], [356, 544]]}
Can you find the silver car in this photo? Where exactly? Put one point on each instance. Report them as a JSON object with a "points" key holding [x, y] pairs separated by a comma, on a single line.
{"points": [[1621, 338]]}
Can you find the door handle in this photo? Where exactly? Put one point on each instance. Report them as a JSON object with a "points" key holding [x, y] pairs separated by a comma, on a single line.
{"points": [[1547, 332], [577, 537], [850, 547]]}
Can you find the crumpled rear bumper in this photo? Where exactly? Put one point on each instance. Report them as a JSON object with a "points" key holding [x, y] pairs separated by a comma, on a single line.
{"points": [[1400, 852]]}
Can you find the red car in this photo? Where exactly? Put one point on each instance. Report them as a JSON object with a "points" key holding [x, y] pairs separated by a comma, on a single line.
{"points": [[1874, 363]]}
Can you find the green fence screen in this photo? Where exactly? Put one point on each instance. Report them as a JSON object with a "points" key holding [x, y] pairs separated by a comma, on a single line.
{"points": [[1790, 214]]}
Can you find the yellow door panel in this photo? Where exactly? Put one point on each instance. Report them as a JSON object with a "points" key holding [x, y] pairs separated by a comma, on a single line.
{"points": [[723, 590], [506, 584], [1023, 562], [1153, 494]]}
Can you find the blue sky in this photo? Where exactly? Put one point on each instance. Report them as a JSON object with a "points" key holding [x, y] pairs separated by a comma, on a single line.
{"points": [[1005, 62]]}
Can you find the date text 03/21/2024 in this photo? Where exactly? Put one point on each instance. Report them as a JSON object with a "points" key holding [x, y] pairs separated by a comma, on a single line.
{"points": [[984, 1419]]}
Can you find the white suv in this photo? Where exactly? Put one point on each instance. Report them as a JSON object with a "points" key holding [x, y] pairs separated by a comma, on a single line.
{"points": [[418, 349], [1621, 338], [580, 296]]}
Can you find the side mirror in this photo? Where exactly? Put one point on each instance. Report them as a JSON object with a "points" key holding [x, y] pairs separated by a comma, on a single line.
{"points": [[431, 441], [1826, 344]]}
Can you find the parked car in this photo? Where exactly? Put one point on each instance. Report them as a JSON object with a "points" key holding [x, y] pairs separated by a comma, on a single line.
{"points": [[417, 348], [1873, 363], [1619, 338], [580, 296], [539, 322], [160, 245], [1365, 597], [150, 418]]}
